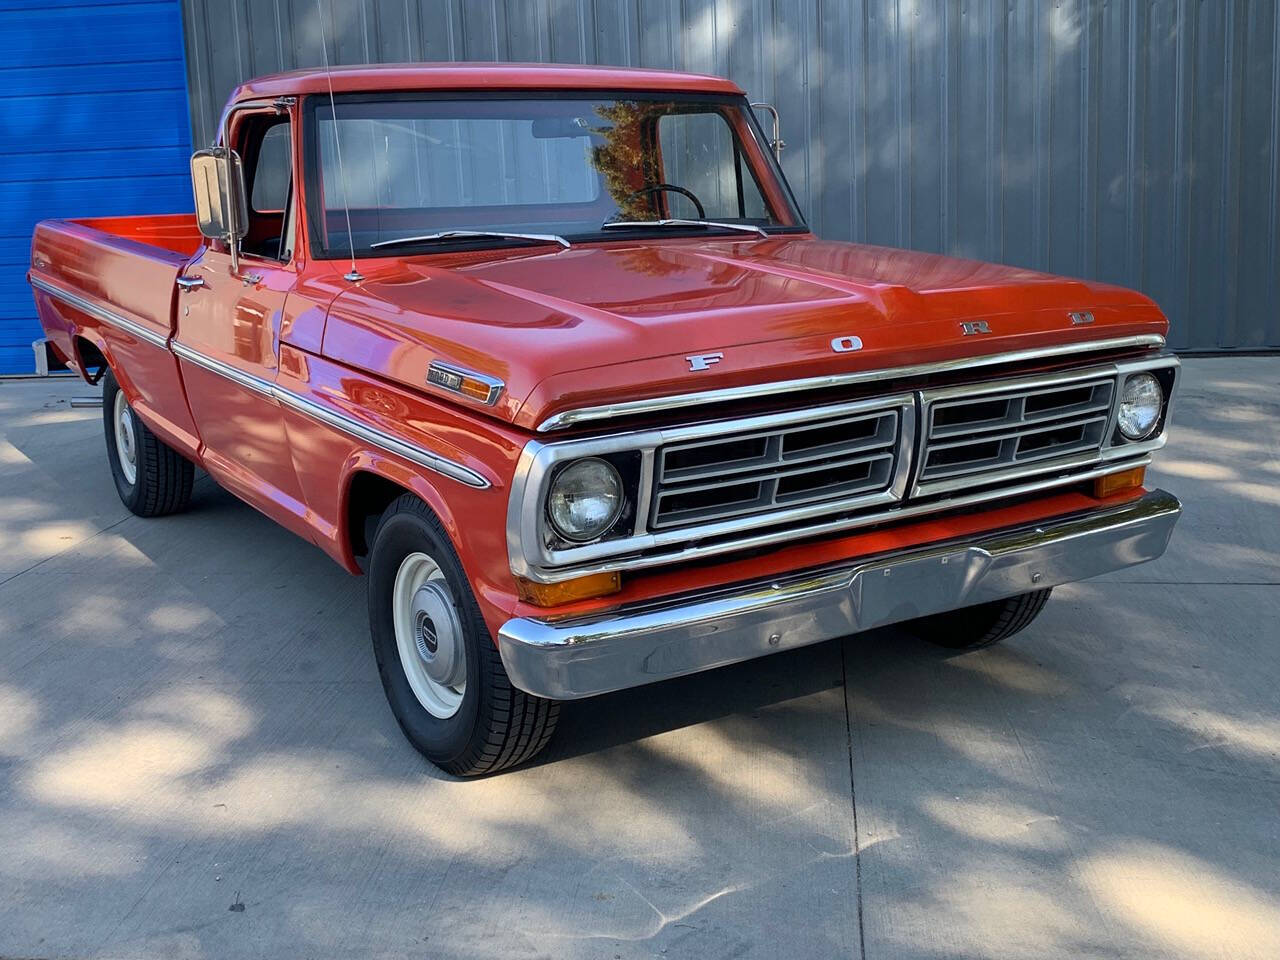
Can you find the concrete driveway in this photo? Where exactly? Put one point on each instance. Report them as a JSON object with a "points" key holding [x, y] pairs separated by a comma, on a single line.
{"points": [[196, 759]]}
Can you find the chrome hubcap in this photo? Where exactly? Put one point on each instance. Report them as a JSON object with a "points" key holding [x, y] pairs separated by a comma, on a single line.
{"points": [[126, 439], [429, 635]]}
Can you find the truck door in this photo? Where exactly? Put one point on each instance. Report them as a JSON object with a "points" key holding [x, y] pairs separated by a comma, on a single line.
{"points": [[228, 329]]}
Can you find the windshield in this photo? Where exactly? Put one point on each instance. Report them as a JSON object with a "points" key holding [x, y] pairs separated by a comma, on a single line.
{"points": [[418, 167]]}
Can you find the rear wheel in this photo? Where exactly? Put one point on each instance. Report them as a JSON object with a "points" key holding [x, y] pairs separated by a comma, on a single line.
{"points": [[152, 478], [442, 674], [980, 626]]}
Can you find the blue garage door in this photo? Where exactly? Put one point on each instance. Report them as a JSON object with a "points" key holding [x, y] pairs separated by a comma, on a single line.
{"points": [[93, 122]]}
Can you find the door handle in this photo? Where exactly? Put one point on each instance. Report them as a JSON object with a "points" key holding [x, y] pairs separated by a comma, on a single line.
{"points": [[187, 284]]}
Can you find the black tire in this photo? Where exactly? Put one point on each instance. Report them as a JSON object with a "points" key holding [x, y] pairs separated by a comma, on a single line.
{"points": [[972, 627], [163, 477], [496, 725]]}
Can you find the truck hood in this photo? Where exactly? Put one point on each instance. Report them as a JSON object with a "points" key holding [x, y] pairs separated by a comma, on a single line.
{"points": [[611, 322]]}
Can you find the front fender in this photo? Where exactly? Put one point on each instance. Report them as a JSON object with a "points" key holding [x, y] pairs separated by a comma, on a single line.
{"points": [[473, 519]]}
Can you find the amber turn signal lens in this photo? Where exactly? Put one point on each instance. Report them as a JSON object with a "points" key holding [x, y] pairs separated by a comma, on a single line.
{"points": [[583, 588], [1117, 482], [475, 389]]}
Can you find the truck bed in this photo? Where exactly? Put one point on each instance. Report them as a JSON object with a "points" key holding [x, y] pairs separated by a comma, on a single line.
{"points": [[175, 232], [105, 290]]}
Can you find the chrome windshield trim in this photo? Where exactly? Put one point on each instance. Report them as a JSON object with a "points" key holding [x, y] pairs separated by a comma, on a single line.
{"points": [[332, 418], [100, 313], [570, 418]]}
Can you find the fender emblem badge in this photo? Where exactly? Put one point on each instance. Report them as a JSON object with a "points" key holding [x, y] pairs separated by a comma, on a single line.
{"points": [[1079, 317], [971, 327], [703, 361], [468, 383]]}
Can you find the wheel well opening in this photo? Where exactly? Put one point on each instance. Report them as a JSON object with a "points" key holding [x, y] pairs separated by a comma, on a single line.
{"points": [[92, 363], [367, 501]]}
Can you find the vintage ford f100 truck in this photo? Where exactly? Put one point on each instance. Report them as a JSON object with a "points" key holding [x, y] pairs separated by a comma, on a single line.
{"points": [[550, 355]]}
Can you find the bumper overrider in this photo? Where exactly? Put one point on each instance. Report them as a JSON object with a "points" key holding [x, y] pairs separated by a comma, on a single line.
{"points": [[564, 658]]}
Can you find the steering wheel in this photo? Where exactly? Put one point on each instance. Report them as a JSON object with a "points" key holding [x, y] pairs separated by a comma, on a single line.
{"points": [[663, 187]]}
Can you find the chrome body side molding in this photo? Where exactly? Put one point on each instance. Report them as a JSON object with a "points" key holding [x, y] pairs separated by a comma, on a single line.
{"points": [[332, 418], [98, 312], [569, 657], [571, 418], [308, 407]]}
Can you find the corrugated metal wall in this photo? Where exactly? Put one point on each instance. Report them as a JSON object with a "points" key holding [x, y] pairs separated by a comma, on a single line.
{"points": [[92, 103], [1134, 142]]}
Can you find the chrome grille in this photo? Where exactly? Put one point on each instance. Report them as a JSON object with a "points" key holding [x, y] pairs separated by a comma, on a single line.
{"points": [[975, 435], [845, 459], [1045, 427]]}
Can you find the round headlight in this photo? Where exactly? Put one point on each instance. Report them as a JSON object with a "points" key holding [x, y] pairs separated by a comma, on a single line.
{"points": [[585, 500], [1140, 403]]}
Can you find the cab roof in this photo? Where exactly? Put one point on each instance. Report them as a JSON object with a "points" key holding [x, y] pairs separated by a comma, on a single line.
{"points": [[477, 76]]}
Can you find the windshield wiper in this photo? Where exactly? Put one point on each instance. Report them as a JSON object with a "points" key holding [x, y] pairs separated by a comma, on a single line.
{"points": [[463, 234], [680, 222]]}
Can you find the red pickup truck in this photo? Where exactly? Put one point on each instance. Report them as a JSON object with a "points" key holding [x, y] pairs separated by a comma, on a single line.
{"points": [[549, 354]]}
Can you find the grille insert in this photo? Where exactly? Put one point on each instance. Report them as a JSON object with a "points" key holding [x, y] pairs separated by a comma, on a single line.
{"points": [[972, 438], [837, 458]]}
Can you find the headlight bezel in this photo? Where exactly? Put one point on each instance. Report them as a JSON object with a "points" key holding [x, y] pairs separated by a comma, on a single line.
{"points": [[1165, 371]]}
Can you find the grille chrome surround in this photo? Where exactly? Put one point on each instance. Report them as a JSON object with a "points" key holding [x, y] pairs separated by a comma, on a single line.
{"points": [[644, 546], [832, 458], [984, 433]]}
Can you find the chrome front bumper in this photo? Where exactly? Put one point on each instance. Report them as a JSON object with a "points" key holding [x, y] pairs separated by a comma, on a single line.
{"points": [[569, 657]]}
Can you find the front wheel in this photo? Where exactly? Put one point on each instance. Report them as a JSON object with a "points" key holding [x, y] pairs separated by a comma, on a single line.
{"points": [[441, 672], [980, 626], [152, 478]]}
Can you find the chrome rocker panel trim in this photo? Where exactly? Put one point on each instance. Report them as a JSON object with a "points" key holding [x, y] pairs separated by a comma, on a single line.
{"points": [[571, 418], [571, 657]]}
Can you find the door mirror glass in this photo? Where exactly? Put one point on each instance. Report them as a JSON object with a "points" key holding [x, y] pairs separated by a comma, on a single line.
{"points": [[217, 183]]}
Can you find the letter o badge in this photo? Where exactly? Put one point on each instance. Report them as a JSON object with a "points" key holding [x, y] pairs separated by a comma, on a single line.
{"points": [[846, 344]]}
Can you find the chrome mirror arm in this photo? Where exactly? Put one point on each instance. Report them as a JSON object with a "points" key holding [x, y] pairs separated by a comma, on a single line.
{"points": [[776, 143]]}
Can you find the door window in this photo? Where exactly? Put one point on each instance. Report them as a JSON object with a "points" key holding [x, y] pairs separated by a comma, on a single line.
{"points": [[268, 154]]}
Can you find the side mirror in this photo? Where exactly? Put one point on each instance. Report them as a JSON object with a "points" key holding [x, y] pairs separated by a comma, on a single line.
{"points": [[776, 143], [217, 181]]}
